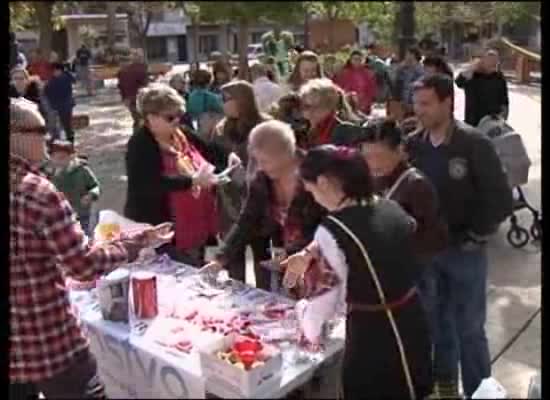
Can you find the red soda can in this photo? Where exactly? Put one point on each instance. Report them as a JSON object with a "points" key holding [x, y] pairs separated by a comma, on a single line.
{"points": [[144, 293]]}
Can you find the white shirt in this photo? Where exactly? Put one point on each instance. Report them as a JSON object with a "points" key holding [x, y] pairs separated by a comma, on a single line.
{"points": [[266, 93], [312, 313]]}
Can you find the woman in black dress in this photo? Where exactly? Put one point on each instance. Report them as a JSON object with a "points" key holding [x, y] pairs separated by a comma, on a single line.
{"points": [[367, 242]]}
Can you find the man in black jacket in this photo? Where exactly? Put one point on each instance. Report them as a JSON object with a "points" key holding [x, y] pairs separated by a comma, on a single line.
{"points": [[475, 198], [485, 89]]}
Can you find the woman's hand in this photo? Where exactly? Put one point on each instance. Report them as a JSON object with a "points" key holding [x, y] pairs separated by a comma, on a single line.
{"points": [[233, 159], [204, 177], [295, 266], [212, 268]]}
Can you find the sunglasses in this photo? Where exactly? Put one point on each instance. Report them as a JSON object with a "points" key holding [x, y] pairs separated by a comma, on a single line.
{"points": [[170, 118]]}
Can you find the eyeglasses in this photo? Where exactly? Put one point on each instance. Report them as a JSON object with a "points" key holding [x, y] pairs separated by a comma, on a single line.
{"points": [[171, 118]]}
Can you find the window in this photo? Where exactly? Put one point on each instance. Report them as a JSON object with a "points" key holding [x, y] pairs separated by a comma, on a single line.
{"points": [[156, 48], [208, 44], [157, 16], [256, 37]]}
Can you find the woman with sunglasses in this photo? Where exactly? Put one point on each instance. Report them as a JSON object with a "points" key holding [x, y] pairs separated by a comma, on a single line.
{"points": [[169, 174], [366, 242]]}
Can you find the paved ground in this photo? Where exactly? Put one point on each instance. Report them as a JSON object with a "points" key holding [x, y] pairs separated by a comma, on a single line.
{"points": [[514, 292]]}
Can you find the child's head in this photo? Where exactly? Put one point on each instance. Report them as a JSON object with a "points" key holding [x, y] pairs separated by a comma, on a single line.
{"points": [[61, 153]]}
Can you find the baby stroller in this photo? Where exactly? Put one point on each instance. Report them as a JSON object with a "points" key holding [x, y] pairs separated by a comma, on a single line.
{"points": [[516, 163]]}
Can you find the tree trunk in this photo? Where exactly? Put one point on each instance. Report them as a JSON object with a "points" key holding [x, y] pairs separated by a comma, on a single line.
{"points": [[406, 39], [243, 46], [331, 34], [195, 24], [44, 11], [306, 30], [111, 25]]}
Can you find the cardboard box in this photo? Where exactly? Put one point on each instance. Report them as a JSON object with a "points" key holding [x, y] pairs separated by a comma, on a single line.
{"points": [[234, 380]]}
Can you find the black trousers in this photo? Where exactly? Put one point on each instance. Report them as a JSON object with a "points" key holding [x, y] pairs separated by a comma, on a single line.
{"points": [[79, 381], [66, 120], [237, 266]]}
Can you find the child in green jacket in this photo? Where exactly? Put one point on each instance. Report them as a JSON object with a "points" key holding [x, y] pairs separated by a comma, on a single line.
{"points": [[72, 176]]}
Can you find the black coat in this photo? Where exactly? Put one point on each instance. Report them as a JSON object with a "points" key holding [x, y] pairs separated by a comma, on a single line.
{"points": [[485, 94], [475, 196], [148, 188], [256, 219]]}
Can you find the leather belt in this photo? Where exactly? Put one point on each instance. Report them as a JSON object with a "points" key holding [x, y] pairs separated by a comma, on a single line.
{"points": [[380, 307]]}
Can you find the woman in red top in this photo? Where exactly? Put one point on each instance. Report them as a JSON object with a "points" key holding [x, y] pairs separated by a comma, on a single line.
{"points": [[170, 174], [40, 66], [356, 77]]}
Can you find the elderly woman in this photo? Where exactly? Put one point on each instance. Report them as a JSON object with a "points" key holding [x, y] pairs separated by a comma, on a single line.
{"points": [[169, 174], [321, 100], [308, 66], [388, 349], [277, 205]]}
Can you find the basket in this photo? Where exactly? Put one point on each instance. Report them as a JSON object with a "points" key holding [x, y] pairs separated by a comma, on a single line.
{"points": [[80, 121]]}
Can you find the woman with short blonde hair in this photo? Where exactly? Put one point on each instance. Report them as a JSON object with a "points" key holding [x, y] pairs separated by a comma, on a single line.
{"points": [[321, 102], [170, 175]]}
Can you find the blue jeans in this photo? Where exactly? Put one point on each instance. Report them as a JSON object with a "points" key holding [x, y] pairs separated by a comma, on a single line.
{"points": [[454, 290]]}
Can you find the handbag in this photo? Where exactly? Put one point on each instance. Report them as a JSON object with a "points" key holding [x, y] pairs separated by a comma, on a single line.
{"points": [[383, 302]]}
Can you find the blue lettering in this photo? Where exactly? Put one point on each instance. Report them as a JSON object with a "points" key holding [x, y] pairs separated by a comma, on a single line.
{"points": [[143, 373], [164, 373]]}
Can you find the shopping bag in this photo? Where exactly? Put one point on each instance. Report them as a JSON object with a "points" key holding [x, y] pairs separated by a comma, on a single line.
{"points": [[489, 388]]}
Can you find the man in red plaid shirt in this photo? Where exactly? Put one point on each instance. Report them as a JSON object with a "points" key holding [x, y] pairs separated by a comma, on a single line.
{"points": [[48, 351]]}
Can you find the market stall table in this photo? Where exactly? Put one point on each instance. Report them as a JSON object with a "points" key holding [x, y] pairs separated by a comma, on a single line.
{"points": [[132, 366]]}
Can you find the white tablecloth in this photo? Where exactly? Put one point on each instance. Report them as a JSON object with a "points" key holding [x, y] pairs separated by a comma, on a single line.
{"points": [[133, 368]]}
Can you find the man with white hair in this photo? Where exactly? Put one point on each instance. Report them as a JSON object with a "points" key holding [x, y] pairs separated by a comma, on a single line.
{"points": [[267, 93], [48, 351]]}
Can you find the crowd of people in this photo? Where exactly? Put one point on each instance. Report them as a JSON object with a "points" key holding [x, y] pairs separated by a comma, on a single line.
{"points": [[384, 219]]}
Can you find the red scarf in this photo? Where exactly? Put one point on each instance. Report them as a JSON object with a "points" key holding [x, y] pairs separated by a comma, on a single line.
{"points": [[324, 130]]}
